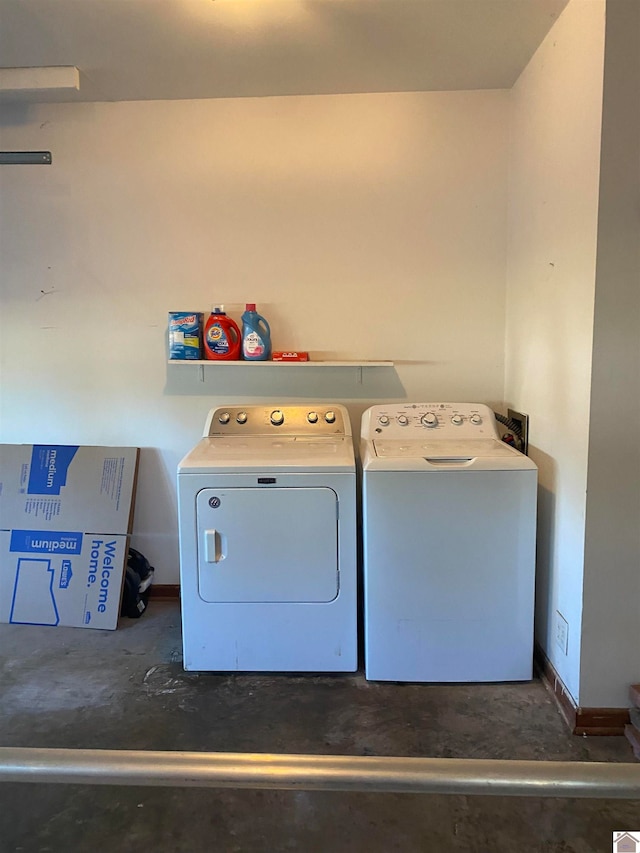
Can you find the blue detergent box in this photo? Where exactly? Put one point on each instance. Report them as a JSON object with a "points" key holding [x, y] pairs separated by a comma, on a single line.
{"points": [[66, 512], [185, 335]]}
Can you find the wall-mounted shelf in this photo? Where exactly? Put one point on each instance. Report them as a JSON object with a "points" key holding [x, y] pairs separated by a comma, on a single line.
{"points": [[280, 366], [286, 364]]}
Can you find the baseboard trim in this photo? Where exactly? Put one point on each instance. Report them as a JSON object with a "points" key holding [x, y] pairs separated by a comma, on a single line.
{"points": [[166, 591], [581, 721], [554, 685]]}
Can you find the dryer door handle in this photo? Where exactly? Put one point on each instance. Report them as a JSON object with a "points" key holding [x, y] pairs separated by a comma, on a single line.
{"points": [[215, 546]]}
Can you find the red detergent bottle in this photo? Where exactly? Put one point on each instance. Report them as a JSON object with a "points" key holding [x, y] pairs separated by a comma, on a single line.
{"points": [[222, 337]]}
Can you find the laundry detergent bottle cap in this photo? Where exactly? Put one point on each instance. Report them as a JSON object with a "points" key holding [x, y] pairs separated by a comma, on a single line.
{"points": [[256, 335], [222, 337]]}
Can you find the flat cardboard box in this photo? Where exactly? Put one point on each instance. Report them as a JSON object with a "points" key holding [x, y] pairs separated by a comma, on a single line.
{"points": [[67, 487], [65, 515], [61, 578]]}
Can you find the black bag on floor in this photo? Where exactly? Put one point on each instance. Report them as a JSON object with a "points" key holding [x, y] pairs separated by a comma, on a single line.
{"points": [[137, 585]]}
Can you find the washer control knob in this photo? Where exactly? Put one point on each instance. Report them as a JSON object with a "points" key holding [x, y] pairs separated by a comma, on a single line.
{"points": [[456, 420], [429, 420], [312, 417], [383, 420], [224, 418], [330, 417], [403, 420], [242, 417], [277, 417], [476, 420]]}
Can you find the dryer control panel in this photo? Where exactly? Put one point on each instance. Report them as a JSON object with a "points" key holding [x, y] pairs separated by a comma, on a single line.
{"points": [[437, 420], [314, 419]]}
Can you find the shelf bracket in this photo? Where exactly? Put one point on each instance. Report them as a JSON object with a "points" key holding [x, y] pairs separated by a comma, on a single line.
{"points": [[202, 373]]}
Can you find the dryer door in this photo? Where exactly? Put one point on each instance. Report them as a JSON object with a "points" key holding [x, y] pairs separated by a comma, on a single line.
{"points": [[267, 544]]}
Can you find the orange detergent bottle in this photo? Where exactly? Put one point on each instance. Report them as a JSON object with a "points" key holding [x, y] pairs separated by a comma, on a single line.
{"points": [[222, 337]]}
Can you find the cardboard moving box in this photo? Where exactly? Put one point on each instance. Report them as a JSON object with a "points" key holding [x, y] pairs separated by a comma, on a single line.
{"points": [[65, 515], [79, 586]]}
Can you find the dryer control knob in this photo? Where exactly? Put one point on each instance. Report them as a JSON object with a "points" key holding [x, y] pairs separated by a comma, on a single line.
{"points": [[456, 420], [242, 417], [403, 420], [277, 417], [224, 418], [429, 420], [383, 420], [330, 417], [312, 417], [476, 420]]}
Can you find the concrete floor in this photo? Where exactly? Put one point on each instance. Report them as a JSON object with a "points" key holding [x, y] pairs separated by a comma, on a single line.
{"points": [[126, 689]]}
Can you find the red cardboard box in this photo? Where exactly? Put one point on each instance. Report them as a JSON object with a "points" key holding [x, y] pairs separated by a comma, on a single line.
{"points": [[292, 355]]}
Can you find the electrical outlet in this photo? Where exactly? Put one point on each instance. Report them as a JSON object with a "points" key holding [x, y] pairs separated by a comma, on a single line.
{"points": [[562, 633], [523, 422]]}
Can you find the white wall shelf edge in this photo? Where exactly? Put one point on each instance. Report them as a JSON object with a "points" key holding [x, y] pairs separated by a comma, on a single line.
{"points": [[287, 364]]}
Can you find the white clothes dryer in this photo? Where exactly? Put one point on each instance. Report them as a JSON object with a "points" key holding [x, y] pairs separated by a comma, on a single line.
{"points": [[267, 517], [449, 532]]}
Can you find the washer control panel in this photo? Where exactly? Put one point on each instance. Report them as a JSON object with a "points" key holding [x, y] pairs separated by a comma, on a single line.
{"points": [[315, 419], [438, 420]]}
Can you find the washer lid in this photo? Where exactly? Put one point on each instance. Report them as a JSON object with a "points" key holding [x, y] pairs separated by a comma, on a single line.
{"points": [[269, 453], [442, 455], [453, 449]]}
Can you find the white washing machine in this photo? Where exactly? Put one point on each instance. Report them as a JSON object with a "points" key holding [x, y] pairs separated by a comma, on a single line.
{"points": [[267, 516], [449, 530]]}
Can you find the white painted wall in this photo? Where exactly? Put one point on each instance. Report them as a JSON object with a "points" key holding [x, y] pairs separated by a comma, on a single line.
{"points": [[553, 200], [371, 226], [611, 616], [364, 226]]}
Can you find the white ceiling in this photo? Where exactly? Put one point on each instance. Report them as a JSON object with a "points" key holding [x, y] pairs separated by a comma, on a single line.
{"points": [[173, 49]]}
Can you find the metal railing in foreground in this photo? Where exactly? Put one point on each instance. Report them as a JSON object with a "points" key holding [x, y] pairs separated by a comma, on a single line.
{"points": [[321, 772]]}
